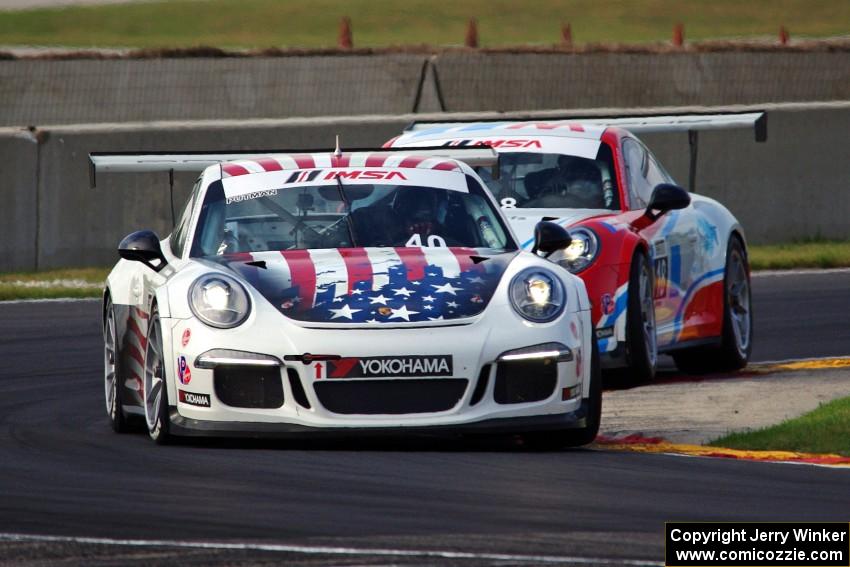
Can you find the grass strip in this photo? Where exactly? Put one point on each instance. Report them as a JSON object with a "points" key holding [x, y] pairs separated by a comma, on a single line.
{"points": [[812, 254], [823, 430], [76, 282], [381, 23]]}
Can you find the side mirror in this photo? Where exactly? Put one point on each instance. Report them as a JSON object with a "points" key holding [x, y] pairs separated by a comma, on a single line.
{"points": [[667, 197], [143, 246], [550, 237]]}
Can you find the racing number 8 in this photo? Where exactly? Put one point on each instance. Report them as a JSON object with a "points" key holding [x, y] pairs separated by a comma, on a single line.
{"points": [[508, 203]]}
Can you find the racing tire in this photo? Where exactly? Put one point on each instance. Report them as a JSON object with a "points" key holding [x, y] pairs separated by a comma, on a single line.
{"points": [[641, 332], [552, 440], [736, 339], [155, 388], [111, 375]]}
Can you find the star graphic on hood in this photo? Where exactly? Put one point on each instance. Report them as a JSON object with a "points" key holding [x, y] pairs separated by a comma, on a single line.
{"points": [[379, 299], [403, 313], [346, 312], [403, 291], [446, 288]]}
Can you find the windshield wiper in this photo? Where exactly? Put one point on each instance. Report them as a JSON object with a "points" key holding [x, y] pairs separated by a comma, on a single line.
{"points": [[345, 200]]}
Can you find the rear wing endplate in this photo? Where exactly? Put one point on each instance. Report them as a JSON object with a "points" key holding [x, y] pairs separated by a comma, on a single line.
{"points": [[169, 162]]}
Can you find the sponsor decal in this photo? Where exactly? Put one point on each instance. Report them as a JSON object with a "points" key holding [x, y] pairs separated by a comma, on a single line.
{"points": [[503, 144], [250, 196], [194, 399], [372, 174], [184, 374], [604, 332], [390, 366], [607, 304], [303, 176], [662, 273], [187, 336]]}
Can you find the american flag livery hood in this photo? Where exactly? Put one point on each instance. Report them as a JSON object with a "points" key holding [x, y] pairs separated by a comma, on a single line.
{"points": [[373, 285]]}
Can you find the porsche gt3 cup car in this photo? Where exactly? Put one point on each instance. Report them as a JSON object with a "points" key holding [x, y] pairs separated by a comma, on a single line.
{"points": [[346, 292], [665, 271]]}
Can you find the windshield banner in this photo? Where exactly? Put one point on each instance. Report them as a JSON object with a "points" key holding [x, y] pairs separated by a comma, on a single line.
{"points": [[274, 181]]}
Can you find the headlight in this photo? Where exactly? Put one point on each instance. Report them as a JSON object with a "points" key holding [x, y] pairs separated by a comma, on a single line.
{"points": [[219, 301], [582, 250], [538, 295]]}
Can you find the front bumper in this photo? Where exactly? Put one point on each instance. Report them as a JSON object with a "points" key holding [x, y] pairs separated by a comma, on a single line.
{"points": [[475, 347], [187, 427]]}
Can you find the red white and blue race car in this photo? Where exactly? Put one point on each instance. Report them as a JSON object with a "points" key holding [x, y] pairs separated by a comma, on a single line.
{"points": [[666, 271], [340, 292]]}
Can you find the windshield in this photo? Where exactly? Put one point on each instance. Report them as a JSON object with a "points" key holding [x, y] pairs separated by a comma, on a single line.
{"points": [[347, 215], [554, 181]]}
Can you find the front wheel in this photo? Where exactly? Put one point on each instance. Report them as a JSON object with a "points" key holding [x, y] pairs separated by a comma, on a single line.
{"points": [[155, 390], [736, 340], [111, 375], [641, 338]]}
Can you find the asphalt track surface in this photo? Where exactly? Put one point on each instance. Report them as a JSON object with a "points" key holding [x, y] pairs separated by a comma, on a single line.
{"points": [[418, 501]]}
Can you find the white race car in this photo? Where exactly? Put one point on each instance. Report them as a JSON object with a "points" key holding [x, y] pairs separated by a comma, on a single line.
{"points": [[344, 292]]}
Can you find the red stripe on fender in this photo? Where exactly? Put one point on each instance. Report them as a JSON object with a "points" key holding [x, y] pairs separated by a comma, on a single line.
{"points": [[339, 161], [357, 265], [269, 164], [303, 273], [414, 262], [446, 166], [576, 128], [140, 313], [134, 328], [305, 161], [411, 161], [136, 355], [232, 169], [376, 160]]}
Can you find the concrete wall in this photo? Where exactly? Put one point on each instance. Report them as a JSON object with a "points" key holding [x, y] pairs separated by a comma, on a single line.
{"points": [[18, 199], [37, 92], [472, 81], [796, 185]]}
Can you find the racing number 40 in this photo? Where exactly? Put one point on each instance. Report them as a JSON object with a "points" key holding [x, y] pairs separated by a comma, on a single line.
{"points": [[433, 241]]}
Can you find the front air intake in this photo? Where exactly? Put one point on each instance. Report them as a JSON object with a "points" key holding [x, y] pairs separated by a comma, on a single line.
{"points": [[427, 395], [522, 381], [249, 386]]}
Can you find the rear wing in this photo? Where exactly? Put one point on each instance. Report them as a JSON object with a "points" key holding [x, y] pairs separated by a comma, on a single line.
{"points": [[692, 123], [169, 162], [650, 123]]}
